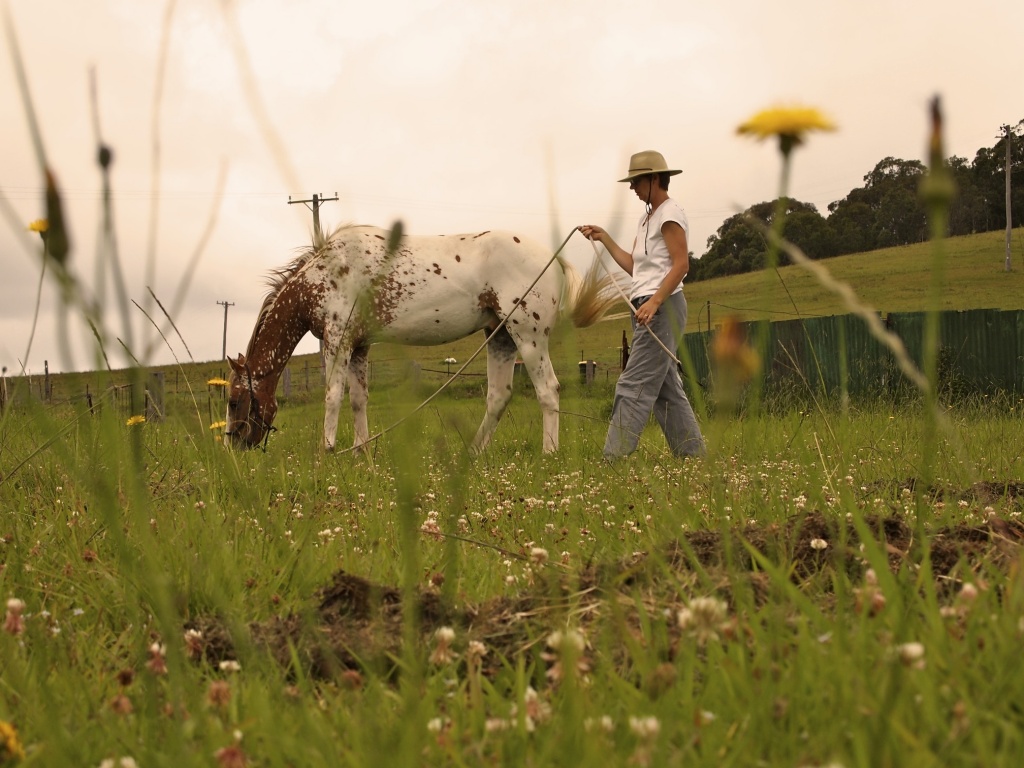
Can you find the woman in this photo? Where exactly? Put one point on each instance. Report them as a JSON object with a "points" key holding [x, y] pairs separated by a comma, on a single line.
{"points": [[658, 261]]}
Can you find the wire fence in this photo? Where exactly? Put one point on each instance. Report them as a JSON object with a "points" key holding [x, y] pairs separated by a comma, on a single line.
{"points": [[981, 351]]}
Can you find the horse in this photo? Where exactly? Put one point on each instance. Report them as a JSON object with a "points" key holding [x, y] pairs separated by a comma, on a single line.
{"points": [[362, 284]]}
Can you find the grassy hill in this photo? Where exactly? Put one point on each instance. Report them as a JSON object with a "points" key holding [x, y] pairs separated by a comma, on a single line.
{"points": [[890, 280]]}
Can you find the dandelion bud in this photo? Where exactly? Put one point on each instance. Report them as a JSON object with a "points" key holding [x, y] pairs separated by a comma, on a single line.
{"points": [[14, 624], [443, 653], [231, 757], [194, 643], [121, 705], [218, 695], [157, 663]]}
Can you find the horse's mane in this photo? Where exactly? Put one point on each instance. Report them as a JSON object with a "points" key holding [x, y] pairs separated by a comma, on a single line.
{"points": [[278, 278]]}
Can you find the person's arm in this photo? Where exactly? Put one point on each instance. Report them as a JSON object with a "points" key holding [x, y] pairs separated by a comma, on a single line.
{"points": [[622, 257], [675, 240]]}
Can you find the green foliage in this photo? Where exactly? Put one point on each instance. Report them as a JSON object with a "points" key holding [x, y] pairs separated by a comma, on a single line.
{"points": [[887, 211]]}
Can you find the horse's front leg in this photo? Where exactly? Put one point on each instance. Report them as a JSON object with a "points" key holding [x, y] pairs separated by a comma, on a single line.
{"points": [[335, 392], [358, 395]]}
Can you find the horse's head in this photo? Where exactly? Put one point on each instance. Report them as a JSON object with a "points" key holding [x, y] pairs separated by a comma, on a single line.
{"points": [[250, 411]]}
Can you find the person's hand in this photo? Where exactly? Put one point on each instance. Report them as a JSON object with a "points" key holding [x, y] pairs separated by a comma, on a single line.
{"points": [[646, 311], [591, 231]]}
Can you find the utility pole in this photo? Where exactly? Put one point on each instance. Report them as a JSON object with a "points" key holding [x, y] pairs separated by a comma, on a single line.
{"points": [[314, 205], [1009, 220], [224, 347]]}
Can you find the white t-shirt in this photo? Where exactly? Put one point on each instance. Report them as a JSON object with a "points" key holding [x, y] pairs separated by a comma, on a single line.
{"points": [[652, 263]]}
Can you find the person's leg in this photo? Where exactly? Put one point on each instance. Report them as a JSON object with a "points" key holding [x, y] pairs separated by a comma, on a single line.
{"points": [[676, 418], [672, 408], [639, 385]]}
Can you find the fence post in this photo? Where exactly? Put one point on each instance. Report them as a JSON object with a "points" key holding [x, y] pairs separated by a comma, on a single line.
{"points": [[286, 381], [155, 396]]}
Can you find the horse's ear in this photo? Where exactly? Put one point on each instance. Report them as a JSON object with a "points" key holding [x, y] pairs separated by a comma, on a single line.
{"points": [[238, 366]]}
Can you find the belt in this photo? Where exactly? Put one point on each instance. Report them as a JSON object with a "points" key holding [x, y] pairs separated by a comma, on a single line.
{"points": [[638, 301]]}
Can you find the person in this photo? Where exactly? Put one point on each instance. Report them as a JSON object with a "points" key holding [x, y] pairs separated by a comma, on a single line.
{"points": [[658, 261]]}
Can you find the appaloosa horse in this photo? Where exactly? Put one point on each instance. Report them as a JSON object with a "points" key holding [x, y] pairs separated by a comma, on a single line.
{"points": [[354, 288]]}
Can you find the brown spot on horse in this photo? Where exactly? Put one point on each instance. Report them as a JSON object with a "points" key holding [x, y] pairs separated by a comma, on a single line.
{"points": [[488, 299]]}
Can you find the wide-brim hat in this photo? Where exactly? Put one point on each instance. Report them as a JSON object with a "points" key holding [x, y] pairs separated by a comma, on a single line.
{"points": [[648, 162]]}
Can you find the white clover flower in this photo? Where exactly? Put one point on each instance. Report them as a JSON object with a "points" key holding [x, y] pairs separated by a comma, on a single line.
{"points": [[560, 641], [476, 650], [911, 655], [703, 618], [645, 727], [443, 653], [968, 593], [495, 724], [603, 723], [819, 544]]}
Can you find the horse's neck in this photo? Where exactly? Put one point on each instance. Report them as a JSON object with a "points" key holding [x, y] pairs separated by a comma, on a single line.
{"points": [[287, 322]]}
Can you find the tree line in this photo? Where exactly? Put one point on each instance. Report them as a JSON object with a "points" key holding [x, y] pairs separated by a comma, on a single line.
{"points": [[886, 211]]}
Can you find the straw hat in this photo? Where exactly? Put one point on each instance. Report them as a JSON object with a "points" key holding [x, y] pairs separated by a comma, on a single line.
{"points": [[648, 162]]}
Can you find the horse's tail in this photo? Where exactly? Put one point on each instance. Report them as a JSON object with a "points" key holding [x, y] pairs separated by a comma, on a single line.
{"points": [[588, 298]]}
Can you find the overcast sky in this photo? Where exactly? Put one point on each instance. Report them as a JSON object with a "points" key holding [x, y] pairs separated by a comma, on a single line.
{"points": [[453, 116]]}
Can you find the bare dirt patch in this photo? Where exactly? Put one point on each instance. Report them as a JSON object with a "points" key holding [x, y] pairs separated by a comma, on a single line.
{"points": [[354, 624]]}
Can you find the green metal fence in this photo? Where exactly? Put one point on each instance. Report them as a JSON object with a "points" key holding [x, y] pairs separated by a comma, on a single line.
{"points": [[981, 350]]}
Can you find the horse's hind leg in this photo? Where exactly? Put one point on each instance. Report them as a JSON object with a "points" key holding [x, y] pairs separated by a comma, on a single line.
{"points": [[358, 394], [501, 361]]}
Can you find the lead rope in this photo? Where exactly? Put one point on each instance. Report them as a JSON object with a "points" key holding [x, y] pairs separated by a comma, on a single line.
{"points": [[597, 255], [479, 349]]}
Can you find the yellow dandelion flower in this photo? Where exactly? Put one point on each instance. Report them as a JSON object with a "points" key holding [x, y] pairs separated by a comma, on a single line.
{"points": [[39, 225], [137, 419], [10, 744], [217, 382], [788, 123], [218, 425], [730, 350]]}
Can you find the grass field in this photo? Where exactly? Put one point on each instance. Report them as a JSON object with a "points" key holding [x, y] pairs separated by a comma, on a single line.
{"points": [[827, 587], [799, 597]]}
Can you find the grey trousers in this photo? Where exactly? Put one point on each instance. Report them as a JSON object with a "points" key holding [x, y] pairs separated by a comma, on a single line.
{"points": [[651, 384]]}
